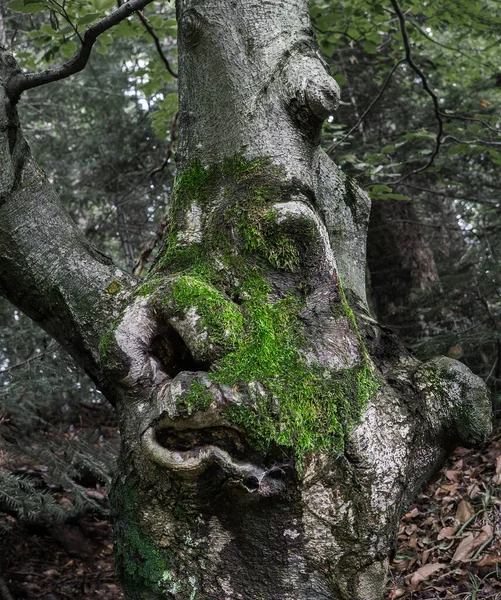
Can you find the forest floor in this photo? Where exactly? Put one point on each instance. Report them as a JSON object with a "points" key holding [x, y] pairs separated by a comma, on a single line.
{"points": [[449, 543]]}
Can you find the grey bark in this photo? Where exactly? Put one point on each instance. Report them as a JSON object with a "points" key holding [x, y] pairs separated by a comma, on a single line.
{"points": [[200, 513]]}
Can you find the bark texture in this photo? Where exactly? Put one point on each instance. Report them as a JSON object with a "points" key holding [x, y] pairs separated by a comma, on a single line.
{"points": [[272, 433]]}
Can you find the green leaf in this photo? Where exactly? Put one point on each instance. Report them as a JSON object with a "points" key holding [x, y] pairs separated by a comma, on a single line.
{"points": [[341, 79], [392, 197], [68, 49], [86, 19], [370, 47], [27, 7], [379, 188]]}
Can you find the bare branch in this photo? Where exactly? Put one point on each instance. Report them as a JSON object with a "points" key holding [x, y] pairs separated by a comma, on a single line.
{"points": [[20, 82], [158, 46], [426, 87], [30, 359], [369, 108], [170, 147], [148, 249], [159, 233]]}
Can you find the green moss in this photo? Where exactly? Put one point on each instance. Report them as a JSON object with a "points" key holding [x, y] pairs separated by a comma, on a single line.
{"points": [[114, 288], [105, 344], [304, 407], [140, 564], [198, 398], [225, 278], [261, 235], [217, 314]]}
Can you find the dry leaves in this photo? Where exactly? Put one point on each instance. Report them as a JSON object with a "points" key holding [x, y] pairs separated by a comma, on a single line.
{"points": [[464, 512], [449, 543], [423, 573], [466, 549]]}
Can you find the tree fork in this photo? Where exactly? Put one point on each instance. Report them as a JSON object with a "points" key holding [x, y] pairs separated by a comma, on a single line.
{"points": [[257, 486]]}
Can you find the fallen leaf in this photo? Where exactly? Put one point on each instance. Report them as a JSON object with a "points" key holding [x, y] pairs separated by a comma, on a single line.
{"points": [[424, 573], [464, 511], [452, 475], [446, 488], [51, 573], [490, 560], [446, 533], [473, 491], [497, 476], [468, 545], [397, 593], [412, 514]]}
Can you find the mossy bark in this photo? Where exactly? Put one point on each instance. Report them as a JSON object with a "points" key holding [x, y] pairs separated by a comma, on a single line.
{"points": [[272, 433], [275, 460]]}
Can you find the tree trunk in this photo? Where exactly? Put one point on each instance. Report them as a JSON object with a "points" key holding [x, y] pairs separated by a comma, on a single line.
{"points": [[272, 433], [401, 264]]}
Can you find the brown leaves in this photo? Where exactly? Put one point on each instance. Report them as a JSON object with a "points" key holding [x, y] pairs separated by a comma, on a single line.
{"points": [[497, 477], [464, 512], [423, 573], [466, 549], [449, 542]]}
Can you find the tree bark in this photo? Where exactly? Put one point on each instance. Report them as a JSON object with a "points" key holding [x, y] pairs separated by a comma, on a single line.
{"points": [[272, 433]]}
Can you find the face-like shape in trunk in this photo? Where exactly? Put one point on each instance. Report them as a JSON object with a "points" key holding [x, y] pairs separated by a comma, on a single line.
{"points": [[264, 453], [259, 374]]}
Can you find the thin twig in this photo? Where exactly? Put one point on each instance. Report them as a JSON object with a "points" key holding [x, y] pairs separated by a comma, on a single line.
{"points": [[369, 108], [64, 13], [451, 48], [170, 147], [148, 249], [426, 87], [472, 119], [20, 82], [158, 46], [28, 360]]}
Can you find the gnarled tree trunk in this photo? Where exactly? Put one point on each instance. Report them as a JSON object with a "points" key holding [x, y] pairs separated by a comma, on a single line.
{"points": [[272, 433]]}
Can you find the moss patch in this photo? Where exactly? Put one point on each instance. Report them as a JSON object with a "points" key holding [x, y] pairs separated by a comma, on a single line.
{"points": [[140, 564], [198, 397], [114, 288], [226, 276], [219, 315]]}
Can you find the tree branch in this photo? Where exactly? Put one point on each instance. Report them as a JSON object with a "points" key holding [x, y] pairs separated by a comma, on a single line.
{"points": [[369, 108], [158, 46], [451, 48], [20, 82], [159, 233], [426, 87]]}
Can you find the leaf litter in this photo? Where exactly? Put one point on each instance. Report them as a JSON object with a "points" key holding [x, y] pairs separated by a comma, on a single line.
{"points": [[449, 542]]}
